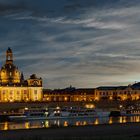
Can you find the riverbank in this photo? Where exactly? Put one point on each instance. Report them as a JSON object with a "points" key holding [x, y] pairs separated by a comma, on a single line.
{"points": [[129, 131], [100, 104]]}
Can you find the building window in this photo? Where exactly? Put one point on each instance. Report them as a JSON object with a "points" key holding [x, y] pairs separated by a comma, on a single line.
{"points": [[25, 91], [35, 91], [11, 92], [10, 73], [114, 93], [18, 92]]}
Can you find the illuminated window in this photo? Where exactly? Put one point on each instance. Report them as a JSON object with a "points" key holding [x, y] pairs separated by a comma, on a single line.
{"points": [[10, 73], [65, 98], [11, 92], [3, 91], [35, 91], [25, 91], [18, 92]]}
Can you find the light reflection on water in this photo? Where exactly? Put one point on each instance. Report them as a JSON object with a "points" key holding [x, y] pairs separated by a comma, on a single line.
{"points": [[67, 122]]}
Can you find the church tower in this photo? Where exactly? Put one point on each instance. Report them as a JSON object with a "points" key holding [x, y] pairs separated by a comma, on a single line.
{"points": [[9, 56]]}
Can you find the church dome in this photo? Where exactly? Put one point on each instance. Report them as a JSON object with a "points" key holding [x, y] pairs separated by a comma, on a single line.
{"points": [[9, 73]]}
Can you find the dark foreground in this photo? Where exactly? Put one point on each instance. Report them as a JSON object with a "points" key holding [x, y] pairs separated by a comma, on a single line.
{"points": [[130, 131]]}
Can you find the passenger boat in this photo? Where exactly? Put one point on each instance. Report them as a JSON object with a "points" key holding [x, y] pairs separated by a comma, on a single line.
{"points": [[36, 113], [118, 113], [131, 113], [33, 113], [102, 113], [72, 112]]}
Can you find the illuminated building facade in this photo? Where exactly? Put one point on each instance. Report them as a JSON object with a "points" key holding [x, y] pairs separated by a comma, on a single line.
{"points": [[119, 93], [13, 86], [69, 95]]}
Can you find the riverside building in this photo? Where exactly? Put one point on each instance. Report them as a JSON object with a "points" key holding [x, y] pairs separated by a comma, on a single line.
{"points": [[108, 93], [13, 86]]}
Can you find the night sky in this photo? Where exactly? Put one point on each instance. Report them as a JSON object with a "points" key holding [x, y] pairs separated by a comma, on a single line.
{"points": [[83, 43]]}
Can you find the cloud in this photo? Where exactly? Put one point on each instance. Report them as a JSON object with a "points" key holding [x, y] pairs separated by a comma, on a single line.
{"points": [[77, 42]]}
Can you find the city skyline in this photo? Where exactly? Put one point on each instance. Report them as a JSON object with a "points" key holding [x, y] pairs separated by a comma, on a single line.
{"points": [[79, 43]]}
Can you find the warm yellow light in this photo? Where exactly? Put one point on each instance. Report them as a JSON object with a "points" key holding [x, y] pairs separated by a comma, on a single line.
{"points": [[84, 123], [65, 123], [65, 98], [124, 98], [6, 126], [26, 108], [137, 119], [96, 122], [120, 120], [121, 106], [96, 98], [124, 119], [46, 124], [90, 106], [77, 123], [110, 120], [27, 125], [57, 107]]}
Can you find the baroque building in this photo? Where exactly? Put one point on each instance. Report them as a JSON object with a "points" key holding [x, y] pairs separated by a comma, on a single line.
{"points": [[120, 93], [13, 86], [69, 94], [107, 93]]}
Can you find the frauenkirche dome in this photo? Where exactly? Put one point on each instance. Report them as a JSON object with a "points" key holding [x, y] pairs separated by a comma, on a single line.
{"points": [[9, 73]]}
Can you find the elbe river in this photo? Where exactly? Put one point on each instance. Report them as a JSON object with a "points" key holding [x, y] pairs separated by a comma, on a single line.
{"points": [[67, 122]]}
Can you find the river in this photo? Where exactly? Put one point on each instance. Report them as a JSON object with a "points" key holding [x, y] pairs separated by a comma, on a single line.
{"points": [[67, 122]]}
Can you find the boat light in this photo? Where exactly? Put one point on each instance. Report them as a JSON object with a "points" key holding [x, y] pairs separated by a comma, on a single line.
{"points": [[26, 108]]}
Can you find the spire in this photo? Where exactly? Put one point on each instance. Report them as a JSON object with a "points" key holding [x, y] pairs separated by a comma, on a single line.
{"points": [[22, 77], [9, 56], [9, 50]]}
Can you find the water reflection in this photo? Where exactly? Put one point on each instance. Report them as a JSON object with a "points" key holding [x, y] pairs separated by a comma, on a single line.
{"points": [[110, 120], [47, 124], [67, 122], [27, 125], [96, 121], [5, 126]]}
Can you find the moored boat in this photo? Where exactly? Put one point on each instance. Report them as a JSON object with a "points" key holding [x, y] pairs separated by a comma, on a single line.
{"points": [[54, 113], [33, 113], [71, 112]]}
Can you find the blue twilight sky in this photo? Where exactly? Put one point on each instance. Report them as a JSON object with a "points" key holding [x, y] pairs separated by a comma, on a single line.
{"points": [[84, 43]]}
